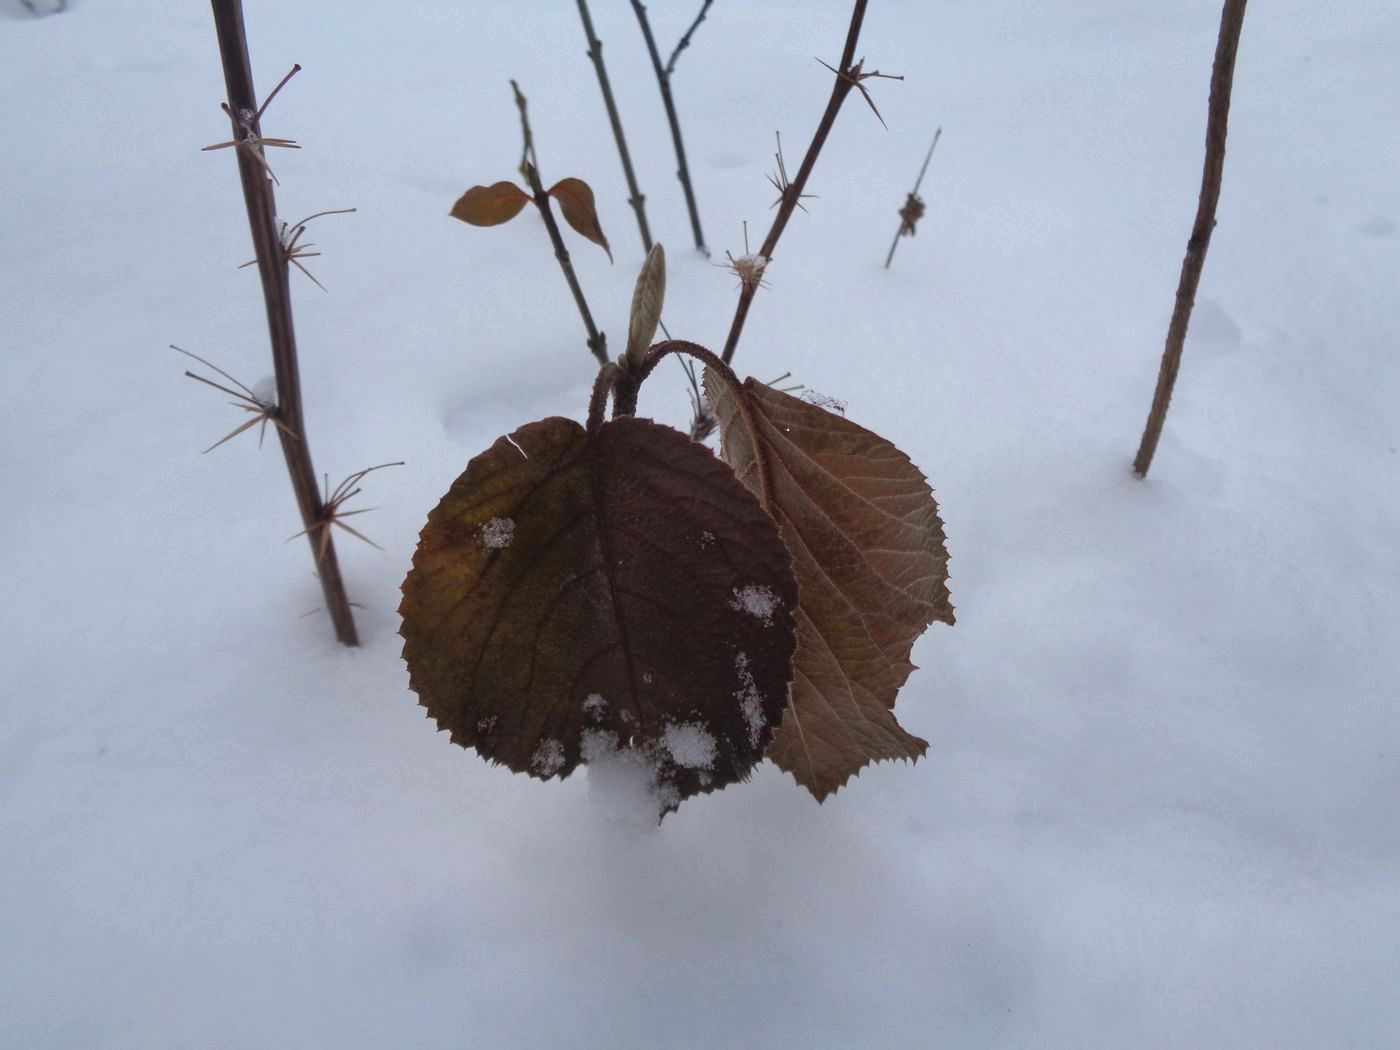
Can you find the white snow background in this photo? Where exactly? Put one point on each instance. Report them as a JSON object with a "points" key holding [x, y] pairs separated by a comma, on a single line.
{"points": [[1160, 806]]}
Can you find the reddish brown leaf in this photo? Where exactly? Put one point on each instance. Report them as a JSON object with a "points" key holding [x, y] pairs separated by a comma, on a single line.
{"points": [[573, 595], [872, 573], [490, 205], [576, 202]]}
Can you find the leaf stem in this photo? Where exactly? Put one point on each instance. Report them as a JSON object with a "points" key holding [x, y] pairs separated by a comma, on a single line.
{"points": [[258, 197], [844, 82], [597, 341], [1217, 120], [595, 52]]}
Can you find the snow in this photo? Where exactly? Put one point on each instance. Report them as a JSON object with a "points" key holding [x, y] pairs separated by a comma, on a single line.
{"points": [[548, 758], [758, 601], [690, 745], [497, 533], [1158, 809], [265, 390], [750, 699], [594, 705]]}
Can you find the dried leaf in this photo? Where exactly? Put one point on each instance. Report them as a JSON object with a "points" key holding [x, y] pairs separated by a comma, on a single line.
{"points": [[872, 570], [647, 299], [576, 594], [490, 205], [576, 202]]}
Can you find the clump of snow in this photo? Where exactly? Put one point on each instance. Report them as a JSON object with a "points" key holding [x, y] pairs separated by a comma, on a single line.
{"points": [[265, 391], [690, 745], [485, 725], [594, 705], [497, 533], [548, 758], [750, 699], [757, 600], [820, 400], [623, 781], [707, 540]]}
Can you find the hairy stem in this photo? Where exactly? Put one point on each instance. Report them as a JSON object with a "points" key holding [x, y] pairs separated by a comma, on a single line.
{"points": [[597, 341], [845, 81], [273, 270], [627, 382], [663, 80], [595, 52], [1218, 115]]}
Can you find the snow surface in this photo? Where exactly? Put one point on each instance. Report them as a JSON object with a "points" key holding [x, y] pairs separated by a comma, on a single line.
{"points": [[1159, 809]]}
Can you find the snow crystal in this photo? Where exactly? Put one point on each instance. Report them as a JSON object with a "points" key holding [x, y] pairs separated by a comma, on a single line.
{"points": [[497, 533], [750, 699], [690, 745], [756, 600], [485, 725], [594, 705], [707, 539], [548, 758], [265, 391]]}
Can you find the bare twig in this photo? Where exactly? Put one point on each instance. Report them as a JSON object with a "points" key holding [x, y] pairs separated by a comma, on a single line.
{"points": [[685, 40], [663, 81], [245, 114], [529, 168], [848, 77], [1218, 114], [913, 209], [595, 52]]}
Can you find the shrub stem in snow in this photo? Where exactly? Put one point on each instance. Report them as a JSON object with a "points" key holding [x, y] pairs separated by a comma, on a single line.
{"points": [[1221, 79], [595, 52]]}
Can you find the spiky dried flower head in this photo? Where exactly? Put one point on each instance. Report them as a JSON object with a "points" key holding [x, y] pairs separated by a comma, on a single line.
{"points": [[910, 214]]}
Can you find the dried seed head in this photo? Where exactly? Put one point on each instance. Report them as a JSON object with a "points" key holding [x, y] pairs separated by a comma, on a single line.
{"points": [[749, 269], [910, 215]]}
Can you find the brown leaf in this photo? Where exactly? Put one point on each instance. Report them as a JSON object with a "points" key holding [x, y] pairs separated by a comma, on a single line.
{"points": [[574, 595], [490, 205], [872, 573], [576, 202]]}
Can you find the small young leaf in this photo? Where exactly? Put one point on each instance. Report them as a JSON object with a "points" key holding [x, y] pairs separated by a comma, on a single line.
{"points": [[575, 595], [647, 299], [872, 573], [490, 205], [576, 202]]}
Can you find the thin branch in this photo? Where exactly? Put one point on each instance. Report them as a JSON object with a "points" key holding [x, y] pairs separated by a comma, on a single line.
{"points": [[685, 40], [913, 209], [595, 52], [849, 78], [245, 114], [663, 81], [1217, 121], [529, 168]]}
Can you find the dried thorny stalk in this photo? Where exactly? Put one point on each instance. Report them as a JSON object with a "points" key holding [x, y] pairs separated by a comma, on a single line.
{"points": [[259, 198], [248, 139], [264, 410], [529, 169], [849, 75], [855, 77], [663, 81], [290, 238], [913, 209], [332, 513], [782, 184]]}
